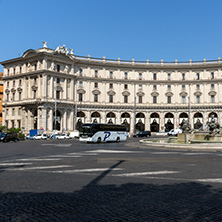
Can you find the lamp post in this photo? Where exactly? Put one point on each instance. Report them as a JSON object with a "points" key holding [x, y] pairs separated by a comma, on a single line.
{"points": [[134, 108], [189, 106]]}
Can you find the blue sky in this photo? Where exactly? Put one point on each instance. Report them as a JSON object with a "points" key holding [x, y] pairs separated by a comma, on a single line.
{"points": [[139, 29]]}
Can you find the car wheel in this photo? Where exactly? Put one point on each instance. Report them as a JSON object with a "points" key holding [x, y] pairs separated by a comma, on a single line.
{"points": [[99, 140], [15, 140], [118, 140]]}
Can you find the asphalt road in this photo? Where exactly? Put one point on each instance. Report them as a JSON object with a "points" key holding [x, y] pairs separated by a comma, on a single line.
{"points": [[128, 181]]}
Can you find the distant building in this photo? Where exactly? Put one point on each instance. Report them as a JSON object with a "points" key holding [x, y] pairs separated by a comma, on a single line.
{"points": [[1, 97], [55, 89]]}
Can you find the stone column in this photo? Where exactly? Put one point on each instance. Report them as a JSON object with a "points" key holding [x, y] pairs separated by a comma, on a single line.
{"points": [[64, 120], [65, 89], [39, 114], [50, 120], [44, 86], [24, 89], [72, 90], [162, 124], [44, 119], [103, 117], [132, 118], [147, 121], [118, 118], [39, 88], [29, 119], [71, 119]]}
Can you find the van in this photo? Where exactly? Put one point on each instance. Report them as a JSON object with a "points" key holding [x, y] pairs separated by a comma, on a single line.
{"points": [[174, 132], [74, 134]]}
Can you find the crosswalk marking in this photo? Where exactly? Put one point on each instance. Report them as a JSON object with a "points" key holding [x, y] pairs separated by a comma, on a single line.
{"points": [[39, 168], [85, 170], [14, 164], [146, 173], [113, 151]]}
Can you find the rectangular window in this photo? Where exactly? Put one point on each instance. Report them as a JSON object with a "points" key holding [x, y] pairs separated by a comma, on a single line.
{"points": [[6, 111], [80, 83], [212, 99], [7, 84], [140, 76], [13, 124], [111, 98], [34, 94], [13, 96], [154, 76], [96, 84], [154, 87], [19, 111], [183, 87], [58, 68], [13, 112], [80, 97], [96, 73], [212, 75], [169, 87], [197, 99], [95, 97], [198, 87], [212, 86], [7, 98], [125, 99], [19, 123], [168, 99], [57, 80], [14, 83], [110, 75], [111, 86], [169, 76], [20, 69], [20, 96], [140, 99], [154, 99], [183, 76], [80, 72], [20, 82], [125, 86], [198, 76], [183, 99], [140, 87], [126, 75], [14, 71], [57, 94]]}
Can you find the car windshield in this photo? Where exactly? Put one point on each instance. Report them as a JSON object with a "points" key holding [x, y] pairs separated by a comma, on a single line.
{"points": [[3, 134]]}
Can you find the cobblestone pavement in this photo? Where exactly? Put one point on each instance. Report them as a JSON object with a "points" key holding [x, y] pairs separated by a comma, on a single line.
{"points": [[119, 183]]}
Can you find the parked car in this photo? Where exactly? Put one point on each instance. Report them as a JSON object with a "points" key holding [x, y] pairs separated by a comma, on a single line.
{"points": [[174, 132], [28, 137], [62, 136], [40, 137], [142, 134], [6, 137]]}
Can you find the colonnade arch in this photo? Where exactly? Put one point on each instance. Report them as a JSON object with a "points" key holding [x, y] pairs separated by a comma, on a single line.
{"points": [[169, 122], [154, 122], [140, 121]]}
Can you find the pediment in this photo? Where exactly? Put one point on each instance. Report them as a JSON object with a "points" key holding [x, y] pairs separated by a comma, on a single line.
{"points": [[140, 93], [212, 93], [125, 93], [168, 94], [96, 91], [197, 93], [154, 94], [19, 89], [111, 93], [29, 53], [183, 94], [13, 90], [81, 91]]}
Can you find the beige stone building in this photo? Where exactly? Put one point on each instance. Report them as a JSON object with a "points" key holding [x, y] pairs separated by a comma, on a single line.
{"points": [[55, 89]]}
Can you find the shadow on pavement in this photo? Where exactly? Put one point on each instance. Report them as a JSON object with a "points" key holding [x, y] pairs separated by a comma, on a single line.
{"points": [[127, 202]]}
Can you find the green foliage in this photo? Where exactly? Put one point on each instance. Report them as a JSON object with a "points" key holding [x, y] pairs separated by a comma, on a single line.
{"points": [[14, 130], [21, 136], [2, 128]]}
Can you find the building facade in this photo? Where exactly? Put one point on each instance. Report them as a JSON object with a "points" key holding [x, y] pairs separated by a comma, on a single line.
{"points": [[55, 89], [1, 97]]}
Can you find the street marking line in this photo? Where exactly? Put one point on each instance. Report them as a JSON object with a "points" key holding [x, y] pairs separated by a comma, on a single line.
{"points": [[113, 151], [14, 164], [85, 170], [62, 156], [146, 173], [166, 153], [213, 180], [39, 168], [63, 145], [195, 153], [40, 159]]}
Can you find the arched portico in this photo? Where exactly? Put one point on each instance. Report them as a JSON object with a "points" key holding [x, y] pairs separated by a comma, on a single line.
{"points": [[140, 122], [198, 121], [154, 122], [169, 122], [125, 120]]}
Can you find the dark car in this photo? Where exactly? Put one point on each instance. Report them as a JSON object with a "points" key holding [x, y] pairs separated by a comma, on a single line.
{"points": [[6, 137], [142, 134]]}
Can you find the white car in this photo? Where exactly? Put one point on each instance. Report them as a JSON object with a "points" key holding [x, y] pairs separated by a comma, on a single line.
{"points": [[62, 136], [174, 132], [40, 137]]}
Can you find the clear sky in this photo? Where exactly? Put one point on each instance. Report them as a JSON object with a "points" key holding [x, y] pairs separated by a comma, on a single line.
{"points": [[139, 29]]}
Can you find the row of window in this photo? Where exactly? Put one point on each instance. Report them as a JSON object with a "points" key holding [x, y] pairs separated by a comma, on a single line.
{"points": [[13, 111], [140, 99], [140, 75], [13, 124], [140, 86]]}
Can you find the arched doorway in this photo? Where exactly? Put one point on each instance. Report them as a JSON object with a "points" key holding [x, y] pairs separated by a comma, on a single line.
{"points": [[95, 117], [169, 122], [80, 119], [110, 118], [57, 120], [198, 121], [154, 119], [125, 120], [212, 114], [182, 118], [140, 122]]}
